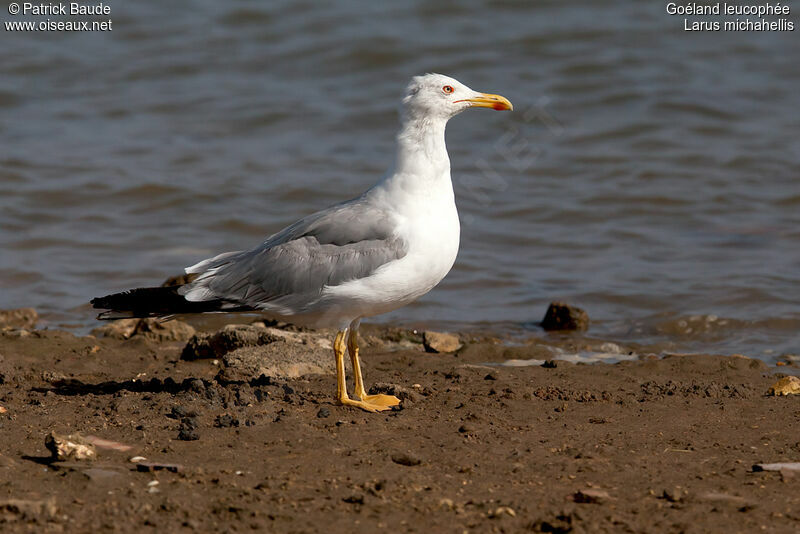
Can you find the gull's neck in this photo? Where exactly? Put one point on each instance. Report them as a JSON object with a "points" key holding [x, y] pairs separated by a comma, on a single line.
{"points": [[421, 150]]}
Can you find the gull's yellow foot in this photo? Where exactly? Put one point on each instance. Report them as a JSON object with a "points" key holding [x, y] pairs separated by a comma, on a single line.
{"points": [[368, 406], [386, 401], [370, 403]]}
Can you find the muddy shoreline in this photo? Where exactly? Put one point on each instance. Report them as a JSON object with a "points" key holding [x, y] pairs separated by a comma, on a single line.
{"points": [[651, 444]]}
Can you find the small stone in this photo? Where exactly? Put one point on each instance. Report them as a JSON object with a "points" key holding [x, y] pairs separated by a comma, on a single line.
{"points": [[440, 342], [501, 511], [188, 430], [136, 459], [354, 499], [188, 434], [562, 316], [446, 504], [406, 459], [550, 364], [71, 447], [591, 496], [788, 385], [121, 329], [324, 412], [179, 412], [491, 376], [675, 494], [226, 421]]}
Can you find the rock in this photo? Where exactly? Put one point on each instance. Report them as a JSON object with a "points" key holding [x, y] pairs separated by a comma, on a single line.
{"points": [[281, 358], [675, 494], [447, 504], [501, 511], [154, 329], [591, 496], [788, 385], [158, 330], [406, 459], [20, 318], [354, 499], [28, 510], [227, 339], [233, 337], [188, 430], [440, 342], [226, 421], [180, 412], [324, 412], [71, 447], [120, 329], [188, 434], [562, 316]]}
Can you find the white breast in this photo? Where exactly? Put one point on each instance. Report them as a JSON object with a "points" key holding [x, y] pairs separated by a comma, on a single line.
{"points": [[430, 227]]}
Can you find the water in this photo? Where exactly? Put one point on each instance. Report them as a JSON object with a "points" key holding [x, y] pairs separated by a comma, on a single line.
{"points": [[647, 174]]}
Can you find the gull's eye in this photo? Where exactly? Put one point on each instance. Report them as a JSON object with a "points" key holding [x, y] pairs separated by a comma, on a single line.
{"points": [[447, 89]]}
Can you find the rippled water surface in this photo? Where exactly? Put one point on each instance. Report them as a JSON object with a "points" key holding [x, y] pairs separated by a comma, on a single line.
{"points": [[647, 174]]}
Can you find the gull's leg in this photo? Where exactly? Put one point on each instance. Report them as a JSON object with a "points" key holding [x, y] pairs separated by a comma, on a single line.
{"points": [[352, 348], [339, 348]]}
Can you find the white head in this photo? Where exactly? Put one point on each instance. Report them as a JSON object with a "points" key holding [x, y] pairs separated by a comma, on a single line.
{"points": [[439, 96]]}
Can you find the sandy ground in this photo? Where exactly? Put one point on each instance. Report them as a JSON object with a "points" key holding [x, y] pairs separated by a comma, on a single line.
{"points": [[650, 445]]}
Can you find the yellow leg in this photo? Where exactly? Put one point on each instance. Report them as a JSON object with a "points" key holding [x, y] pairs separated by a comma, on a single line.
{"points": [[380, 400], [339, 347]]}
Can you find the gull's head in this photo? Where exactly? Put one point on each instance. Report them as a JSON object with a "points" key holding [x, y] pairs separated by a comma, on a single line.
{"points": [[439, 96]]}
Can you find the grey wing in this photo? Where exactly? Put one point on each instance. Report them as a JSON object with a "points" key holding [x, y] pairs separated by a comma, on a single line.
{"points": [[288, 272]]}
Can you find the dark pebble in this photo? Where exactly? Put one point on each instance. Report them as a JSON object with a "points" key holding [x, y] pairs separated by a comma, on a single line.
{"points": [[179, 412], [188, 430], [188, 434], [406, 459], [225, 421], [323, 412], [562, 316], [354, 499], [491, 376]]}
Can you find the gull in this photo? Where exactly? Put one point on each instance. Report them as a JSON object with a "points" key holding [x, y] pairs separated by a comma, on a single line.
{"points": [[360, 258]]}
